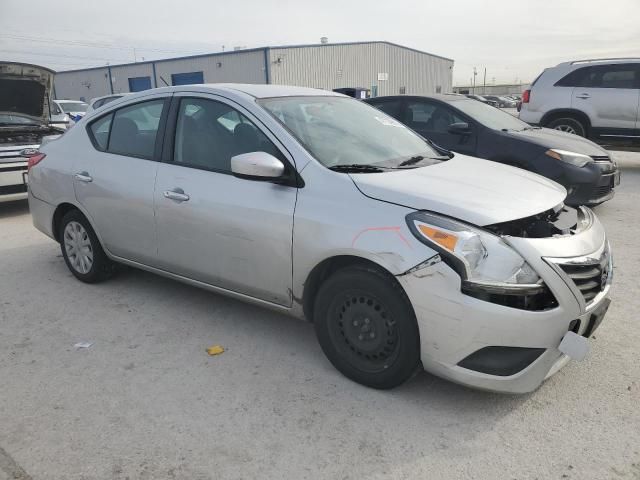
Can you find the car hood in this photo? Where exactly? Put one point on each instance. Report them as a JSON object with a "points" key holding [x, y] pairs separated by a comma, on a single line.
{"points": [[549, 138], [25, 90], [476, 191]]}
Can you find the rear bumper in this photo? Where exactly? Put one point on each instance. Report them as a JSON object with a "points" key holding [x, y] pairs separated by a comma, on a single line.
{"points": [[42, 215], [453, 326]]}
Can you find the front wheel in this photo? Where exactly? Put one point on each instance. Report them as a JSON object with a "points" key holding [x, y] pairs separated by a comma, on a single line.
{"points": [[569, 125], [82, 251], [367, 328]]}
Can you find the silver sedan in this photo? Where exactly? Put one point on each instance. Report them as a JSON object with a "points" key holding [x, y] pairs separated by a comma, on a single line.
{"points": [[403, 255]]}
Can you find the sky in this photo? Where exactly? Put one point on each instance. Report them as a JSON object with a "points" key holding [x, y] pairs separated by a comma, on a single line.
{"points": [[513, 39]]}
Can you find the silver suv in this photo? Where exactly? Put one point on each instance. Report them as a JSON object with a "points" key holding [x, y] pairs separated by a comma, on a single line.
{"points": [[598, 99]]}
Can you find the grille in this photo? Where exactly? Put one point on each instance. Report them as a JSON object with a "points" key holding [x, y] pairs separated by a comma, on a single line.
{"points": [[601, 191], [589, 276], [601, 158], [11, 189]]}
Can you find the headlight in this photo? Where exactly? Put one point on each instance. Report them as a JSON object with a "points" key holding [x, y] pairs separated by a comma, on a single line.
{"points": [[577, 159], [483, 260]]}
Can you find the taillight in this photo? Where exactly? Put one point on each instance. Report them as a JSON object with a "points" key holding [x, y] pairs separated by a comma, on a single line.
{"points": [[526, 96], [34, 160]]}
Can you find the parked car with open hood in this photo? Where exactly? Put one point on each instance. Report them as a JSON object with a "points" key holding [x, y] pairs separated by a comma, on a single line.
{"points": [[25, 92], [585, 169], [320, 206]]}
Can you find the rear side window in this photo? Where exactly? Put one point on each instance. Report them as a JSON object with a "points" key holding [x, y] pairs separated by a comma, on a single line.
{"points": [[130, 131], [134, 129], [100, 132], [622, 75]]}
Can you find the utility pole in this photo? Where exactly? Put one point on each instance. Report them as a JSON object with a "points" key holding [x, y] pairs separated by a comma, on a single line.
{"points": [[475, 72], [484, 85]]}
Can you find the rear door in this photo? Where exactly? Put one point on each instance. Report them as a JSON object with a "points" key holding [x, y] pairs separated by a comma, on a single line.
{"points": [[432, 119], [609, 95], [114, 177], [213, 227]]}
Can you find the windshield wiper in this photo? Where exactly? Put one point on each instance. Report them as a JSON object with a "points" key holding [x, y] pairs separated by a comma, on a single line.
{"points": [[411, 161], [356, 168]]}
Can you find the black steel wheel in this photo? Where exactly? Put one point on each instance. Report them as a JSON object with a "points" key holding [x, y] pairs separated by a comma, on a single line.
{"points": [[367, 328]]}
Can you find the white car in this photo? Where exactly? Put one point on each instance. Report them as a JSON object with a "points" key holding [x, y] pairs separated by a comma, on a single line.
{"points": [[403, 255], [597, 99], [74, 109]]}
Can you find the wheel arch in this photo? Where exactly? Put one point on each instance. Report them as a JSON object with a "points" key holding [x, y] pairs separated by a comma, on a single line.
{"points": [[326, 268], [552, 115]]}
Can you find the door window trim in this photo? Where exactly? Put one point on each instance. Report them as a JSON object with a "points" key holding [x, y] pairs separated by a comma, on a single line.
{"points": [[168, 147]]}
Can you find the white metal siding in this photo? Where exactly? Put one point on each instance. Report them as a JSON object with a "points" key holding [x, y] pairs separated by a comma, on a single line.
{"points": [[236, 67], [240, 67], [87, 84], [121, 75], [358, 65]]}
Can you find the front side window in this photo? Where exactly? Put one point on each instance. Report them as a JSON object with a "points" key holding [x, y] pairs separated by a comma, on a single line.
{"points": [[209, 133], [489, 116], [134, 129], [340, 131], [431, 117]]}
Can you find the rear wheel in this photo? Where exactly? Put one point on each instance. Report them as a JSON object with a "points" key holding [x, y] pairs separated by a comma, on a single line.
{"points": [[81, 249], [569, 125], [367, 328]]}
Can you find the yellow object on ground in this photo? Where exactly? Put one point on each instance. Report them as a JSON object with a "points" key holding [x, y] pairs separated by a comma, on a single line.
{"points": [[215, 350]]}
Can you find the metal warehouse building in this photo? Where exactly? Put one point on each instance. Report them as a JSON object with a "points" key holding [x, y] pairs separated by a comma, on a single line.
{"points": [[383, 67]]}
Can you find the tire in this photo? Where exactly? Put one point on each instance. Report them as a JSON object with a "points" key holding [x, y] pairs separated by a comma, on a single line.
{"points": [[569, 125], [367, 328], [81, 249]]}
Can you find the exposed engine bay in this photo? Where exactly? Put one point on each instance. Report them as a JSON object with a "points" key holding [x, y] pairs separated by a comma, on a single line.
{"points": [[558, 221]]}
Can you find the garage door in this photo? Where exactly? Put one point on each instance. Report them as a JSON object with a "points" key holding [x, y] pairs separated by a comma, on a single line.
{"points": [[187, 78], [137, 84]]}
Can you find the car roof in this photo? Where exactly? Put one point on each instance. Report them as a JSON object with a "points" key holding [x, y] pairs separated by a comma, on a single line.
{"points": [[263, 91], [70, 101], [443, 97]]}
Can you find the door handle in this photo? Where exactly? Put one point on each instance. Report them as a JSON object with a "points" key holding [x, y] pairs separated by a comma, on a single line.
{"points": [[583, 96], [84, 177], [176, 194]]}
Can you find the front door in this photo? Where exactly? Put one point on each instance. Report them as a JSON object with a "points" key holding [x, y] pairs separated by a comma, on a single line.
{"points": [[432, 121], [114, 178], [609, 95], [213, 227]]}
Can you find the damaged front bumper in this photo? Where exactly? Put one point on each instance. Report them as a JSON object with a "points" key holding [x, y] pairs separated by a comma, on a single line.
{"points": [[501, 348]]}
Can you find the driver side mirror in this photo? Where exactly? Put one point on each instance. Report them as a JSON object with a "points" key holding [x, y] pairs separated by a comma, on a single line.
{"points": [[257, 166], [459, 128]]}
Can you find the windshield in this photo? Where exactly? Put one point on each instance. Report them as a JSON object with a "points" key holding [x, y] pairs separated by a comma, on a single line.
{"points": [[340, 131], [489, 116], [68, 107]]}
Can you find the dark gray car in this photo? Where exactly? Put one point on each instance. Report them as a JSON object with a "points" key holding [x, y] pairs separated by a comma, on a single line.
{"points": [[460, 124]]}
